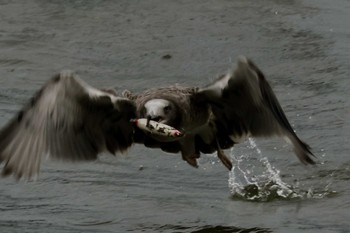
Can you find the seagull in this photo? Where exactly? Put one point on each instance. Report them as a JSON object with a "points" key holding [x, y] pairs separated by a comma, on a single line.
{"points": [[67, 119]]}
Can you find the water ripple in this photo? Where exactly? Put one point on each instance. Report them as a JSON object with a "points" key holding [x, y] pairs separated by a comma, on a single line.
{"points": [[202, 229]]}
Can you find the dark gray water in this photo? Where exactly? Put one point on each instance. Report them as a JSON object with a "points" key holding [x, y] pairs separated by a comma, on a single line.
{"points": [[303, 47]]}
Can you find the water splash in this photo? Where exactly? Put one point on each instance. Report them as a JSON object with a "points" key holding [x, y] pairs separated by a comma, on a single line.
{"points": [[258, 180]]}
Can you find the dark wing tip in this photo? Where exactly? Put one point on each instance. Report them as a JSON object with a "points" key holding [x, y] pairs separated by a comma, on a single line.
{"points": [[303, 151], [9, 170], [6, 171], [306, 159]]}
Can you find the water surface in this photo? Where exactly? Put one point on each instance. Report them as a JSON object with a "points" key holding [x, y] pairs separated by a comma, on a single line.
{"points": [[303, 48]]}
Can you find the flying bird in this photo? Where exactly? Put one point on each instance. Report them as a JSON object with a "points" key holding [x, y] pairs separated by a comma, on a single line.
{"points": [[67, 119]]}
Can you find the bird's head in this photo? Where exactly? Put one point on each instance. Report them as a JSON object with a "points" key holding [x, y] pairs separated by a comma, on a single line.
{"points": [[161, 110]]}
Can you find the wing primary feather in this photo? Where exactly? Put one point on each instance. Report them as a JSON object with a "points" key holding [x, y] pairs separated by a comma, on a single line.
{"points": [[68, 120], [245, 106], [301, 149]]}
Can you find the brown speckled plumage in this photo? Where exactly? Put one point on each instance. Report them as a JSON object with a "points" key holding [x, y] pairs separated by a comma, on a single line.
{"points": [[70, 120]]}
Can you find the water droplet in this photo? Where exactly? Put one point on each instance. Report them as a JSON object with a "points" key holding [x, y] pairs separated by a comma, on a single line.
{"points": [[258, 180]]}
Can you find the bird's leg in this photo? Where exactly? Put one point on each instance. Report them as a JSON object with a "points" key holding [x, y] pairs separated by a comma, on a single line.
{"points": [[188, 151], [224, 159]]}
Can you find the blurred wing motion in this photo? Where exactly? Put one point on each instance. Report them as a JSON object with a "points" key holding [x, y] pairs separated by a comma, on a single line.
{"points": [[68, 120], [244, 105]]}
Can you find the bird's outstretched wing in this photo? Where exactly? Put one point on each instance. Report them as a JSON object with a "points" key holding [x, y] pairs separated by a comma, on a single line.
{"points": [[68, 120], [244, 105]]}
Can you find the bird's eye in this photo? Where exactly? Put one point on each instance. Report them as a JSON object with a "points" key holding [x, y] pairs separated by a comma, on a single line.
{"points": [[167, 109]]}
